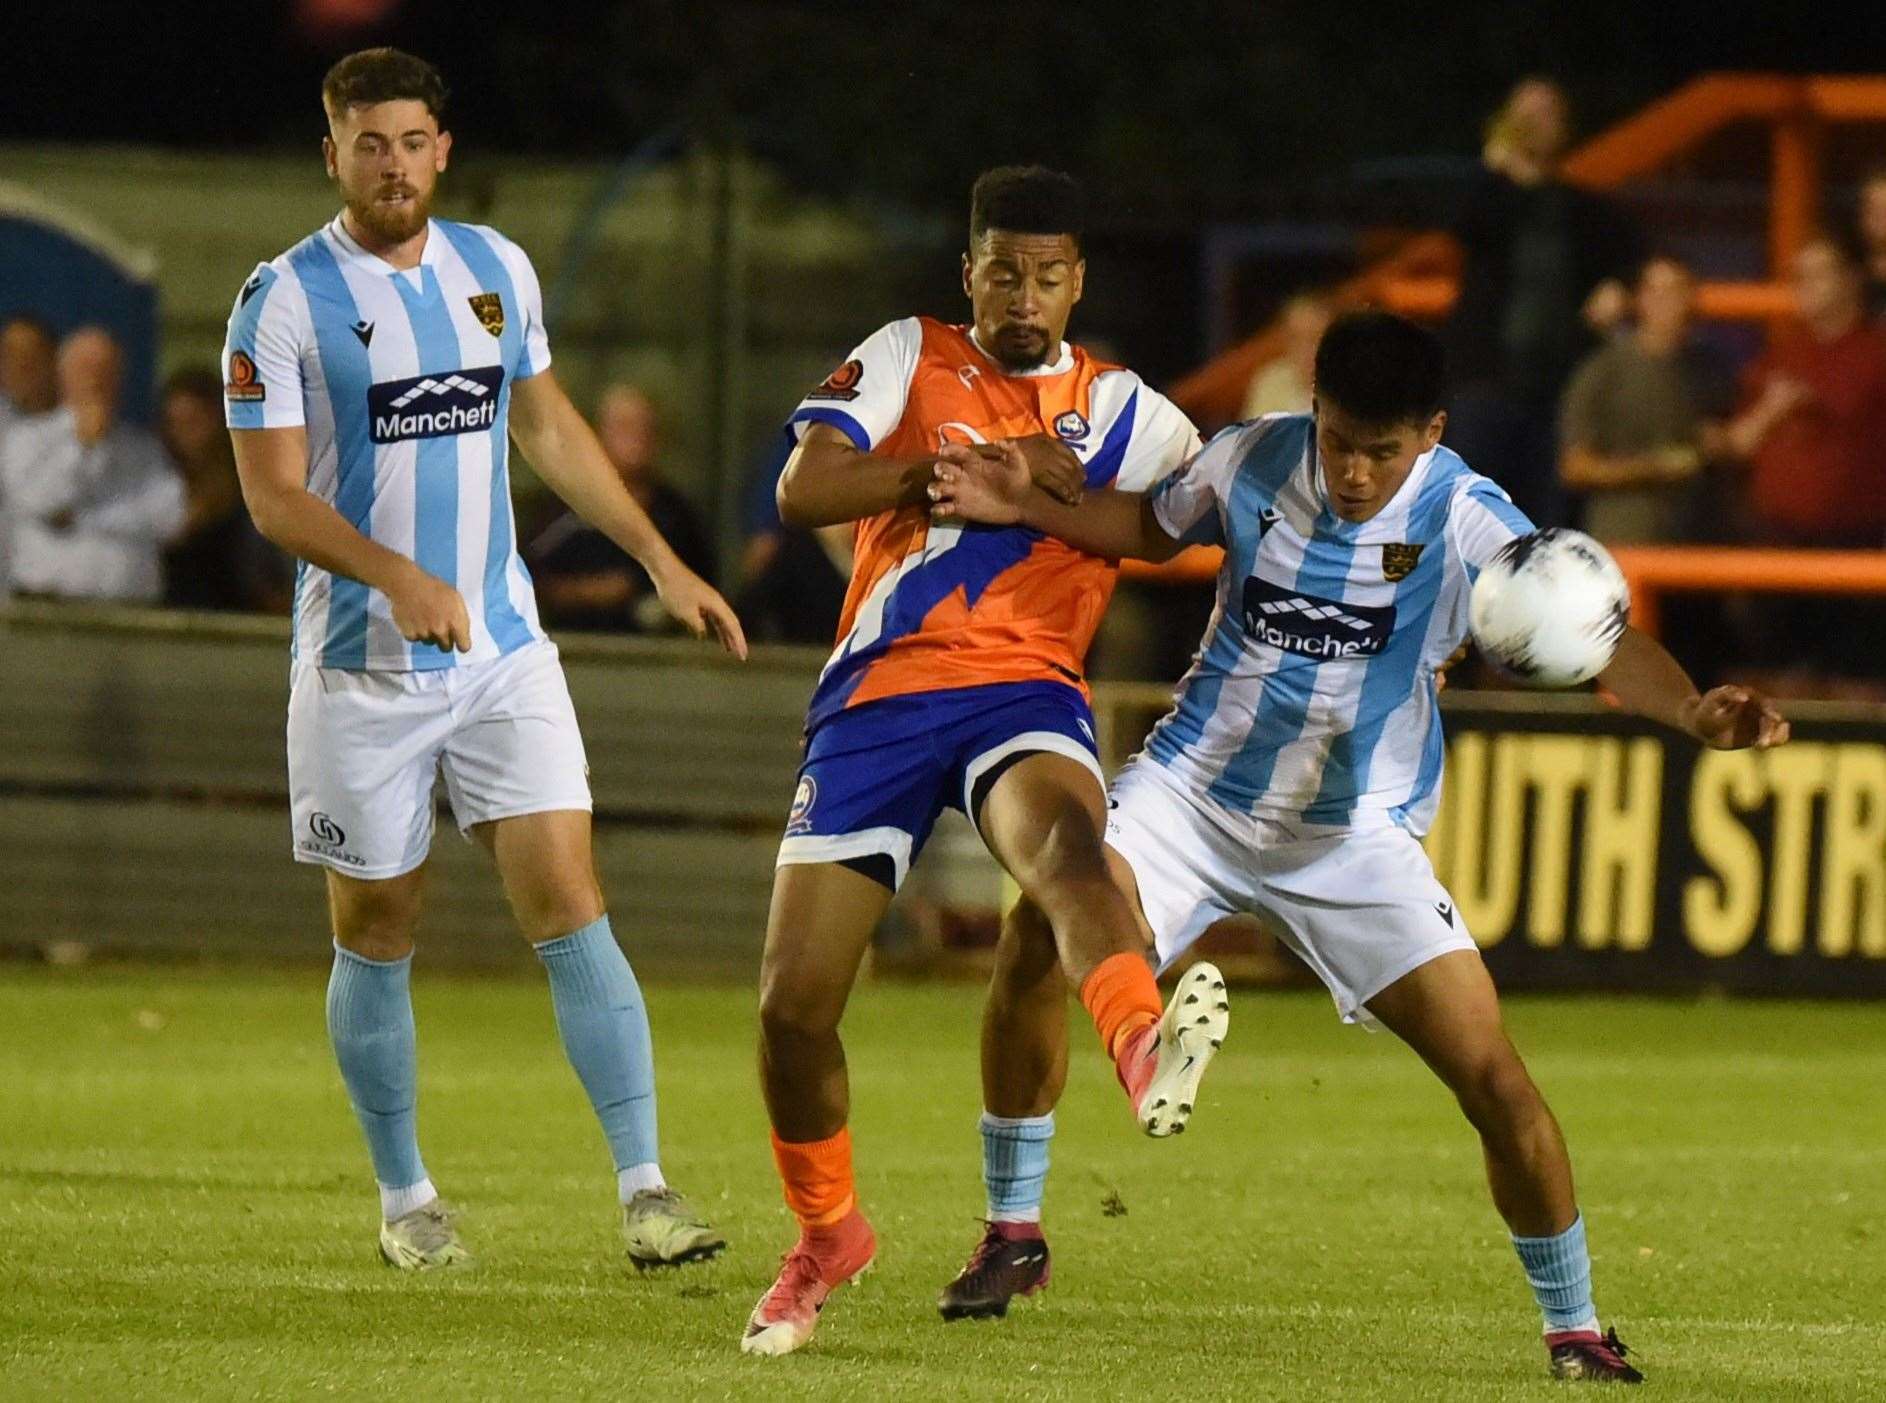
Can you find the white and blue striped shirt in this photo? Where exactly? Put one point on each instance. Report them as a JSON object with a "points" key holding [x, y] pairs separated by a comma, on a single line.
{"points": [[403, 381], [1313, 698]]}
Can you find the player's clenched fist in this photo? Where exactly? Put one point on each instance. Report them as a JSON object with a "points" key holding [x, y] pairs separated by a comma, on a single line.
{"points": [[1052, 466], [428, 610]]}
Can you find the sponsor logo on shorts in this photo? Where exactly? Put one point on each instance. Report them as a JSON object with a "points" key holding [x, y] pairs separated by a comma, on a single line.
{"points": [[1312, 626], [842, 383], [799, 820], [435, 406], [1445, 910], [328, 841], [244, 384], [1071, 425]]}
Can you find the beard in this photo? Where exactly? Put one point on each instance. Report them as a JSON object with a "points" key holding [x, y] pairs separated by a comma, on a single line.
{"points": [[391, 224], [1021, 349]]}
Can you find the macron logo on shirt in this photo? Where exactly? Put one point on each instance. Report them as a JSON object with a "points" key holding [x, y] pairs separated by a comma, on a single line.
{"points": [[434, 406]]}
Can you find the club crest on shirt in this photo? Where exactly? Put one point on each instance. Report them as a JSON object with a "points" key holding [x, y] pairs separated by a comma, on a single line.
{"points": [[488, 307], [243, 384], [842, 383], [1398, 561], [1071, 425], [800, 819]]}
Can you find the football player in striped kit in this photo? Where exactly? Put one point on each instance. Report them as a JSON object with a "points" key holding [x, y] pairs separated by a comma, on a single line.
{"points": [[376, 373], [1301, 761]]}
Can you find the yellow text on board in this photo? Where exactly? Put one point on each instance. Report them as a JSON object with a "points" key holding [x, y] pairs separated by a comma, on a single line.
{"points": [[1788, 845]]}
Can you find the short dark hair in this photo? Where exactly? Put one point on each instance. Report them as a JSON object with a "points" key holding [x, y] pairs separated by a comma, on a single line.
{"points": [[382, 75], [1027, 200], [1381, 368], [39, 326], [196, 381]]}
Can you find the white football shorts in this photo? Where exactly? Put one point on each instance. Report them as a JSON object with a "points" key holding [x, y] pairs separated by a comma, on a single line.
{"points": [[364, 749], [1360, 907]]}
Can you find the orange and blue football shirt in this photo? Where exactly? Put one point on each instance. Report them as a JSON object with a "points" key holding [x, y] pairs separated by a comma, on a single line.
{"points": [[939, 606]]}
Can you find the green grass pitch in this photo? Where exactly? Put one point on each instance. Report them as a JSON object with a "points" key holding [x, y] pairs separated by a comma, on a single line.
{"points": [[185, 1209]]}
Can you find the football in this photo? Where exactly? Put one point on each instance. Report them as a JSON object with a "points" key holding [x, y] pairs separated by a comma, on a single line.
{"points": [[1549, 608]]}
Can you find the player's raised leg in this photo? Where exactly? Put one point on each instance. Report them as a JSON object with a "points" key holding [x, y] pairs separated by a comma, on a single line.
{"points": [[1043, 818], [549, 875], [1448, 1012], [1024, 1068], [817, 931], [370, 1022]]}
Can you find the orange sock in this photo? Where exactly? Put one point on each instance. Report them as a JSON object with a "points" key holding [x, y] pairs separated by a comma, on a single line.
{"points": [[817, 1177], [1122, 996]]}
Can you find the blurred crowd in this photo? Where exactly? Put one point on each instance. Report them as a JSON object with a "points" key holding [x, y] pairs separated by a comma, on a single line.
{"points": [[1581, 381]]}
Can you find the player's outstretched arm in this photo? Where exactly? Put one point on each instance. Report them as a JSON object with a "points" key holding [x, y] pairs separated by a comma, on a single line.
{"points": [[974, 484], [1648, 681], [564, 450], [273, 467]]}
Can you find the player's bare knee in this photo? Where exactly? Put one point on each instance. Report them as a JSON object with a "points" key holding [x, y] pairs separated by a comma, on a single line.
{"points": [[1497, 1092], [376, 919], [376, 927], [792, 1013], [1071, 856]]}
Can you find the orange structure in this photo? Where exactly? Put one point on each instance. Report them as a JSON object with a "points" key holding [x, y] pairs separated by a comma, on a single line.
{"points": [[1653, 571], [1419, 279]]}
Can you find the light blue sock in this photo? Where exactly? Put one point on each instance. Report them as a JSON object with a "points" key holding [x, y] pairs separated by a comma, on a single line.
{"points": [[605, 1034], [370, 1021], [1015, 1165], [1559, 1269]]}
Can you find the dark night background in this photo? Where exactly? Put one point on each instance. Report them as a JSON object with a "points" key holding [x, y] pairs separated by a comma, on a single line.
{"points": [[1170, 111]]}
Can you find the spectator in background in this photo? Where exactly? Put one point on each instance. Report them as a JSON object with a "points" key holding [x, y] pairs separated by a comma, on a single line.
{"points": [[26, 388], [584, 580], [1873, 240], [1541, 276], [1644, 414], [1813, 433], [792, 581], [27, 380], [91, 499], [1812, 428], [220, 560], [1282, 386]]}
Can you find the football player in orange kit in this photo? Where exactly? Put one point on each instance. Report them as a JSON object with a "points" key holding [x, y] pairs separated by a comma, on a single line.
{"points": [[957, 681]]}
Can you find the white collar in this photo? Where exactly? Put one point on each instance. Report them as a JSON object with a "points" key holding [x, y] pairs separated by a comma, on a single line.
{"points": [[1060, 365], [372, 262]]}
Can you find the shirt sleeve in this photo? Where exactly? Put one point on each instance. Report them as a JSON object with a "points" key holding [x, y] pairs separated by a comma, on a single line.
{"points": [[268, 331], [865, 397], [1189, 503], [1483, 520], [1163, 438], [533, 357]]}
